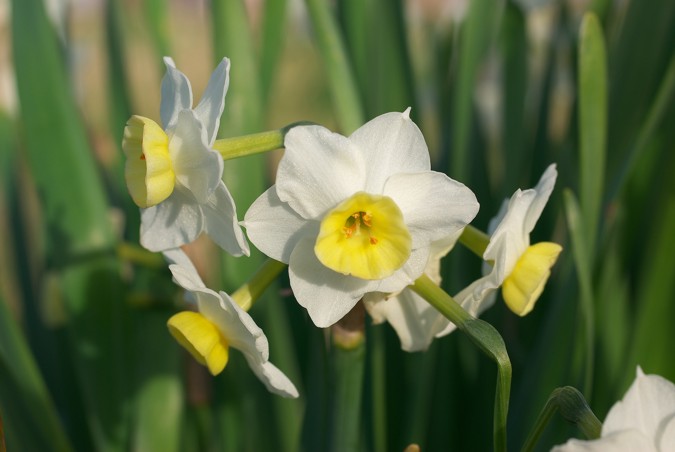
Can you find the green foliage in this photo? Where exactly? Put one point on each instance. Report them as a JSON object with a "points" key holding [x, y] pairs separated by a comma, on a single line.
{"points": [[500, 92]]}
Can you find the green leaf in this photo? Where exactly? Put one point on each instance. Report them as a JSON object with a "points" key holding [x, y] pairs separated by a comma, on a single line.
{"points": [[31, 420], [475, 36], [338, 70], [80, 238], [592, 125], [274, 26], [580, 252]]}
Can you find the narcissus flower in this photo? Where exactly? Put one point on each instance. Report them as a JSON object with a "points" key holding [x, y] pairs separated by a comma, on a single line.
{"points": [[218, 325], [643, 421], [355, 215], [174, 175], [520, 268]]}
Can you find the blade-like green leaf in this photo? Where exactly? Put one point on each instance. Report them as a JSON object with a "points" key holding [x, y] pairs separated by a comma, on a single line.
{"points": [[592, 125], [274, 26], [338, 70], [79, 236], [475, 36], [581, 253], [31, 420]]}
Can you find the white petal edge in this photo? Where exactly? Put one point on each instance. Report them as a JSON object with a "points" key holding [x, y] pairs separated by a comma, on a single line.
{"points": [[327, 295], [624, 441], [319, 170], [176, 221], [275, 228], [390, 144], [176, 94], [220, 222], [649, 400], [210, 107], [433, 205], [198, 168], [274, 379]]}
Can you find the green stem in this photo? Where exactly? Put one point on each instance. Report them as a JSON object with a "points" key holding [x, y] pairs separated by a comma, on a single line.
{"points": [[475, 240], [488, 341], [138, 255], [256, 143], [573, 408], [348, 362], [247, 294]]}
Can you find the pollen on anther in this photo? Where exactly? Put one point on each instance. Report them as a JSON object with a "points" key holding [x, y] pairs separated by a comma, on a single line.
{"points": [[373, 241]]}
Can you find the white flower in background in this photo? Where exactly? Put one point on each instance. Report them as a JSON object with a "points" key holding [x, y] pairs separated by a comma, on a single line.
{"points": [[520, 268], [415, 321], [174, 175], [643, 421], [218, 325], [355, 215]]}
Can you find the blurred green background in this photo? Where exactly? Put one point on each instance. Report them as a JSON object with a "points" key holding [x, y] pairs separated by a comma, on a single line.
{"points": [[500, 88]]}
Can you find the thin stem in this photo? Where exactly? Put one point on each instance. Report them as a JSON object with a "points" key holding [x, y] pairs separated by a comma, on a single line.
{"points": [[486, 338], [348, 362], [247, 294], [138, 255], [573, 408], [475, 240], [255, 143]]}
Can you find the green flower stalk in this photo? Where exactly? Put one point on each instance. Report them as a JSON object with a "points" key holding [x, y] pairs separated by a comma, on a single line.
{"points": [[486, 338]]}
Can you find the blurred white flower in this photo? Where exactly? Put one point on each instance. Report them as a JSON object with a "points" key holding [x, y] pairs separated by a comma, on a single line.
{"points": [[218, 325], [643, 421], [174, 175], [356, 215]]}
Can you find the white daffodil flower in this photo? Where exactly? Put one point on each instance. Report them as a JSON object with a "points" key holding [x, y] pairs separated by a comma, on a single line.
{"points": [[173, 173], [415, 321], [643, 421], [218, 325], [355, 215], [520, 268]]}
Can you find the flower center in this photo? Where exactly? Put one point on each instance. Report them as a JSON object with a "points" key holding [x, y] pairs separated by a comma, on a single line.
{"points": [[524, 285], [148, 170], [365, 236]]}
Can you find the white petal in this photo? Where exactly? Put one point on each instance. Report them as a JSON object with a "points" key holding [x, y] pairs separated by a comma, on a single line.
{"points": [[197, 167], [273, 378], [624, 441], [237, 326], [665, 436], [176, 221], [390, 144], [178, 257], [210, 108], [319, 170], [184, 272], [511, 237], [544, 189], [433, 205], [176, 94], [406, 275], [275, 228], [327, 295], [220, 222], [415, 321], [649, 400]]}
